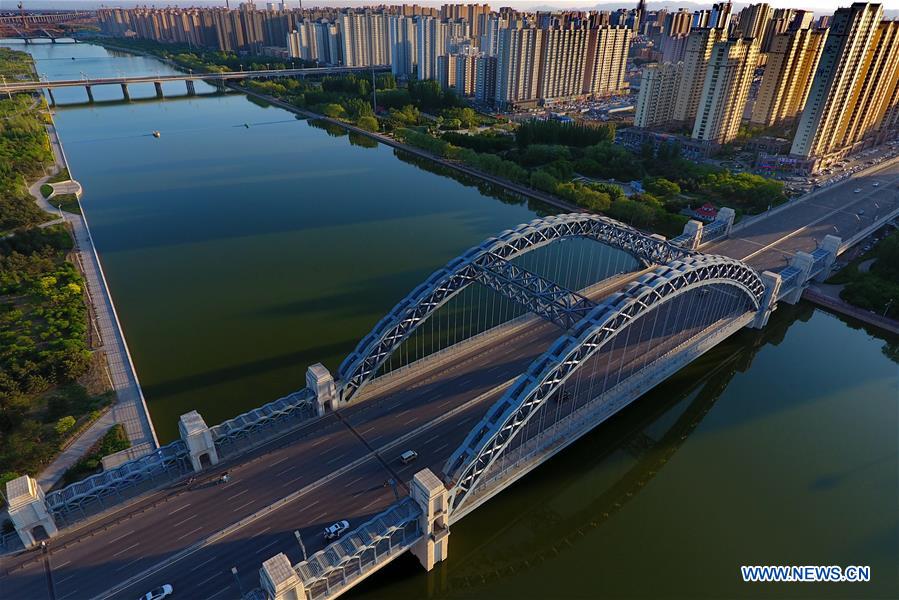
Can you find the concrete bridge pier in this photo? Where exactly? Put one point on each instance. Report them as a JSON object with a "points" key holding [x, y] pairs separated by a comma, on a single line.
{"points": [[727, 215], [804, 262], [125, 92], [199, 440], [432, 496], [768, 303], [320, 381], [50, 95], [191, 90], [90, 93], [831, 243], [158, 86], [280, 581], [28, 511]]}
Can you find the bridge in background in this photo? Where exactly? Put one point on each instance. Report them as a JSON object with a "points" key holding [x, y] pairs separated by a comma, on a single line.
{"points": [[494, 364], [220, 79]]}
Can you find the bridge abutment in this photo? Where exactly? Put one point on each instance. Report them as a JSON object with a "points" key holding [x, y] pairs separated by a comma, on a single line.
{"points": [[280, 580], [52, 99], [726, 215], [199, 440], [158, 86], [320, 381], [191, 90], [28, 511], [432, 496], [90, 93], [125, 92], [693, 228], [768, 302]]}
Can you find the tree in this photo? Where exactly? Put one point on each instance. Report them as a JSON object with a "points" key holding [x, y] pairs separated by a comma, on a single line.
{"points": [[661, 187], [368, 123], [335, 111], [64, 424]]}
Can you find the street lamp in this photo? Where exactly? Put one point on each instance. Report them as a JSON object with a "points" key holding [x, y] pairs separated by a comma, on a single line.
{"points": [[237, 579], [887, 309]]}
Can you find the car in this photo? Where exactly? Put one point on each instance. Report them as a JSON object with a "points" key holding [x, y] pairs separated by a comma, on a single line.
{"points": [[408, 456], [876, 184], [857, 190], [336, 530], [861, 212], [159, 593]]}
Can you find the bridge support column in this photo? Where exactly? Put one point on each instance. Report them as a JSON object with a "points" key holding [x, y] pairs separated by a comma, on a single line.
{"points": [[199, 440], [52, 99], [158, 85], [28, 511], [279, 580], [831, 243], [320, 381], [432, 496], [125, 92], [693, 228], [90, 93], [191, 90], [769, 300], [804, 262]]}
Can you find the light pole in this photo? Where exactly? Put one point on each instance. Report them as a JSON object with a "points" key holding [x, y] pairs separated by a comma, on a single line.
{"points": [[237, 579], [296, 532], [887, 309]]}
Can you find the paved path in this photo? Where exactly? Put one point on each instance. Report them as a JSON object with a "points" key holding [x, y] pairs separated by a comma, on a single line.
{"points": [[129, 408]]}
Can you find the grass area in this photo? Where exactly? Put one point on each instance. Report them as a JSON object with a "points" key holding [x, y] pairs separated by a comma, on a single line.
{"points": [[877, 289], [66, 202], [114, 440], [63, 175], [46, 190]]}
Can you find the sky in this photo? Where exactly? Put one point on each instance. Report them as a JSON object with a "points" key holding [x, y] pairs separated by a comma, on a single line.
{"points": [[820, 6]]}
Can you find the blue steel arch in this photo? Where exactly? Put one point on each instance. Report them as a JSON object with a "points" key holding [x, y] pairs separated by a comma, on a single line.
{"points": [[375, 348], [506, 418]]}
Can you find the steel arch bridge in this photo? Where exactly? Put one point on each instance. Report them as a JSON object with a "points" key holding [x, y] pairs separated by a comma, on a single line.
{"points": [[547, 375], [488, 264]]}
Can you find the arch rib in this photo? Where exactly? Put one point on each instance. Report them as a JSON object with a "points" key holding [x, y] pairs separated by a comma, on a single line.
{"points": [[374, 349], [489, 438]]}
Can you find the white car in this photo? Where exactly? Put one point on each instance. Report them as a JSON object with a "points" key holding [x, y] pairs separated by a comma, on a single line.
{"points": [[857, 190], [876, 184], [336, 530], [159, 593]]}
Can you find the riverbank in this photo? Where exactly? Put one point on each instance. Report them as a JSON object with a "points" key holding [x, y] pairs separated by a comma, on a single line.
{"points": [[130, 408]]}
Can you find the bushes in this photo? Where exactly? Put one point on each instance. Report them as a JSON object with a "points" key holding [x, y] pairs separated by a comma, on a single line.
{"points": [[481, 142], [114, 440], [368, 123]]}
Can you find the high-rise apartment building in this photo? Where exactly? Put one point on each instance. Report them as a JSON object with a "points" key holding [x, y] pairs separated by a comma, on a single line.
{"points": [[753, 20], [696, 58], [792, 62], [485, 79], [876, 85], [403, 54], [364, 38], [564, 60], [726, 89], [837, 84], [431, 42], [606, 65], [518, 66], [658, 90]]}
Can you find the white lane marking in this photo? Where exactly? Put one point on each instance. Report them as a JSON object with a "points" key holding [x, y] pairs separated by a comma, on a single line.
{"points": [[243, 506], [191, 532], [179, 508], [64, 579], [279, 461], [412, 420], [441, 448], [372, 503], [292, 480], [319, 516], [354, 481], [336, 458], [120, 537], [128, 565], [183, 521], [430, 439], [208, 579], [202, 564], [72, 593], [287, 470], [267, 546], [61, 565], [241, 493], [124, 550], [224, 589], [261, 531]]}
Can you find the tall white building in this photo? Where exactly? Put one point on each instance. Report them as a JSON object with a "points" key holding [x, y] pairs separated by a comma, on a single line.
{"points": [[364, 38], [518, 63], [606, 65], [658, 90], [403, 54], [431, 42], [726, 90]]}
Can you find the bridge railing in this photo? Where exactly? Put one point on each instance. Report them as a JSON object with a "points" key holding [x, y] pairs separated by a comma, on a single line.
{"points": [[330, 570], [253, 428], [104, 490]]}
